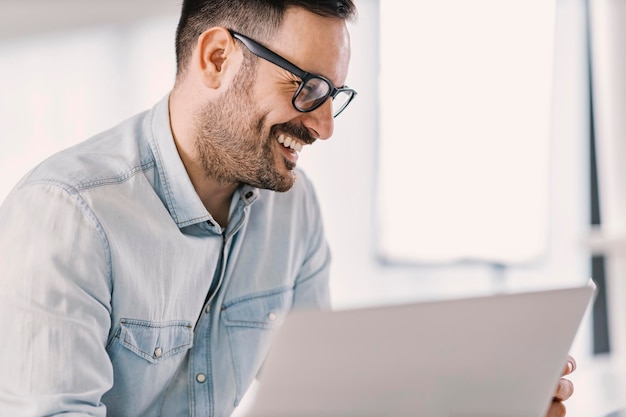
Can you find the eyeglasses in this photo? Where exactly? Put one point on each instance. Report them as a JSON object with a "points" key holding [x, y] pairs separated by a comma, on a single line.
{"points": [[314, 89]]}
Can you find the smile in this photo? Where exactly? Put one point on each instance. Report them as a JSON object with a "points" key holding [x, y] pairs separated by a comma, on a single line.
{"points": [[290, 143]]}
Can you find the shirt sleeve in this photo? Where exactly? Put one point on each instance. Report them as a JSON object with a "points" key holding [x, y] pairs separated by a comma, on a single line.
{"points": [[312, 284], [55, 293]]}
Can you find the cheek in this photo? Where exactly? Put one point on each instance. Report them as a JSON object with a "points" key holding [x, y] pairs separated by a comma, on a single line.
{"points": [[273, 91], [272, 108], [279, 111], [277, 107]]}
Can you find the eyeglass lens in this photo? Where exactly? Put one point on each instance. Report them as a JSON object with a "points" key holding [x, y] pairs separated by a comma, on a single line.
{"points": [[340, 102], [315, 91]]}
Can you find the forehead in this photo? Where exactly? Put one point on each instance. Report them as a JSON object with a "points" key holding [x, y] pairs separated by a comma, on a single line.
{"points": [[314, 43]]}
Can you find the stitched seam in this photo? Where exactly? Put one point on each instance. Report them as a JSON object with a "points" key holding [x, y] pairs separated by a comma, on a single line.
{"points": [[75, 195], [76, 188], [262, 294], [158, 158]]}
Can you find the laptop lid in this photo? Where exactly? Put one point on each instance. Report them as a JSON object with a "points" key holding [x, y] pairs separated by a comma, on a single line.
{"points": [[498, 355]]}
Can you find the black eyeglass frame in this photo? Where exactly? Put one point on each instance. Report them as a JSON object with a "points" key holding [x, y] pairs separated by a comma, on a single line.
{"points": [[271, 56]]}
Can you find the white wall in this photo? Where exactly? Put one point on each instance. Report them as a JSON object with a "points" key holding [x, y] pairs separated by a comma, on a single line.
{"points": [[138, 70]]}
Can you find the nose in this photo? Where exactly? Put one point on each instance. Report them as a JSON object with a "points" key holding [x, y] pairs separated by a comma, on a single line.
{"points": [[320, 121]]}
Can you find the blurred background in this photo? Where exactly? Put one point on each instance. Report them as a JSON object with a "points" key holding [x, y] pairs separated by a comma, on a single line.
{"points": [[484, 152]]}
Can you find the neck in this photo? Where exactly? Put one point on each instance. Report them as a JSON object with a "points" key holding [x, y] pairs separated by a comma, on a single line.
{"points": [[216, 198], [215, 195]]}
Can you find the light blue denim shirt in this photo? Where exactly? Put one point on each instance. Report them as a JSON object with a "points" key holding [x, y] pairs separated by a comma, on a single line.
{"points": [[121, 296]]}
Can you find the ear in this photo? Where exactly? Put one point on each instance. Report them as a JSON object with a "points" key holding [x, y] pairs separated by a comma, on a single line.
{"points": [[219, 57]]}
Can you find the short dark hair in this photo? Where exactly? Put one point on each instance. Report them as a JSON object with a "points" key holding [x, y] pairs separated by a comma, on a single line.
{"points": [[259, 19]]}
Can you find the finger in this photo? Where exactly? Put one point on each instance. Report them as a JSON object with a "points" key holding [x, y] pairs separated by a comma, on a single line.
{"points": [[557, 409], [570, 366], [564, 389]]}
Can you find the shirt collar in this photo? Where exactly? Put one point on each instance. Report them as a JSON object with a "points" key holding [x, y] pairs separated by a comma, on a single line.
{"points": [[176, 189]]}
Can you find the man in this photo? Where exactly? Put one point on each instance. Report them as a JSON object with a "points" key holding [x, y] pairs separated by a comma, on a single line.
{"points": [[144, 270]]}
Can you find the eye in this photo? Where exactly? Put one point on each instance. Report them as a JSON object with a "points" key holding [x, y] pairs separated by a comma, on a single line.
{"points": [[315, 88], [308, 92]]}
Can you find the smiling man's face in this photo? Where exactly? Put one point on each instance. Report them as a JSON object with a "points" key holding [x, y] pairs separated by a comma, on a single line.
{"points": [[256, 132]]}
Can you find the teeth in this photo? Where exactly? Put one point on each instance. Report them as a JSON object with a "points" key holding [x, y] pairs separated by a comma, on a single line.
{"points": [[290, 143]]}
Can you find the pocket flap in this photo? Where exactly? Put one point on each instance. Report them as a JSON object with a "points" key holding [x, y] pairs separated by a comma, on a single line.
{"points": [[155, 341], [264, 310]]}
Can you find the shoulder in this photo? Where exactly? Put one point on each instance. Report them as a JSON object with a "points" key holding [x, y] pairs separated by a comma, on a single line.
{"points": [[108, 157]]}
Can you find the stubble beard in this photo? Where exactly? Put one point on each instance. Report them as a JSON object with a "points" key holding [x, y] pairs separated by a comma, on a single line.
{"points": [[233, 144]]}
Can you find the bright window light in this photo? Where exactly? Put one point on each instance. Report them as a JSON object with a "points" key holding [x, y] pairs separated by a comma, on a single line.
{"points": [[465, 95]]}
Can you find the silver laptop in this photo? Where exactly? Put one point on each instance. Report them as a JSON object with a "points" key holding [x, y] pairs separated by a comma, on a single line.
{"points": [[499, 355]]}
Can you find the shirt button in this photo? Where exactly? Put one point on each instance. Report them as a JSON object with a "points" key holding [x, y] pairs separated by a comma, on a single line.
{"points": [[207, 309], [249, 195], [201, 378], [272, 316], [158, 352]]}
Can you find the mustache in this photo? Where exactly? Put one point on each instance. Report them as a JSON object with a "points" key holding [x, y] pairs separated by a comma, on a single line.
{"points": [[294, 130]]}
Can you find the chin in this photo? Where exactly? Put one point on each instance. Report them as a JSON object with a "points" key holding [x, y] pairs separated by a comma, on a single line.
{"points": [[286, 182], [274, 181], [285, 185], [283, 178]]}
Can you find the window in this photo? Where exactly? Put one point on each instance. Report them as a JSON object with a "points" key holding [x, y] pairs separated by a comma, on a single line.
{"points": [[466, 95]]}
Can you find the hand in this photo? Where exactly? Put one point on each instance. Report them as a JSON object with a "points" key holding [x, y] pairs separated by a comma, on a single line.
{"points": [[564, 390]]}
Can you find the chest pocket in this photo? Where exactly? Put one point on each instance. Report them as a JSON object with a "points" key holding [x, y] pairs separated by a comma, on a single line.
{"points": [[145, 352], [151, 341], [250, 322]]}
